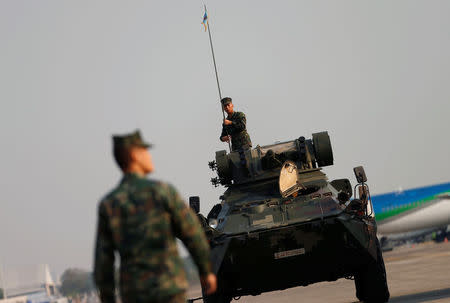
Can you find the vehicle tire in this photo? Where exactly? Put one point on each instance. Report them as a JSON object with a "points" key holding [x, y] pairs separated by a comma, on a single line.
{"points": [[370, 282]]}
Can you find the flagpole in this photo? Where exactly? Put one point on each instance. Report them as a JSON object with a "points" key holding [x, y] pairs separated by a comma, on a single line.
{"points": [[215, 68]]}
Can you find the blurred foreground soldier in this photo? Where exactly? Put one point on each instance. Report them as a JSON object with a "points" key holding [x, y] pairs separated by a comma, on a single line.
{"points": [[139, 220], [234, 127]]}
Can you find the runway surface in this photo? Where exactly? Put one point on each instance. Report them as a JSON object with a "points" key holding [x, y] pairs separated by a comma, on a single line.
{"points": [[416, 274]]}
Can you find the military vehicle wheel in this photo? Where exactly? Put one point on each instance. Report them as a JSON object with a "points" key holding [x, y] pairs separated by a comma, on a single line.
{"points": [[370, 282], [217, 298]]}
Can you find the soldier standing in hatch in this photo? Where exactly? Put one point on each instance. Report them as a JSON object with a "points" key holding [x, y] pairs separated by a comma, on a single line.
{"points": [[234, 127], [140, 219]]}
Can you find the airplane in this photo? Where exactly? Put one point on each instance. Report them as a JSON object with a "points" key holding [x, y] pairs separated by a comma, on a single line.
{"points": [[412, 213]]}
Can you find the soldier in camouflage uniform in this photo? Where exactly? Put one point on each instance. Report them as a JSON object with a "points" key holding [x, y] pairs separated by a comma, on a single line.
{"points": [[234, 127], [139, 220]]}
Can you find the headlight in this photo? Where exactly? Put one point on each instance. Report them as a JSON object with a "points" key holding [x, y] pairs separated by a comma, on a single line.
{"points": [[213, 223]]}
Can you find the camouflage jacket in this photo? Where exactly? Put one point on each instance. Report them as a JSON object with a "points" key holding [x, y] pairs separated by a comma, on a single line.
{"points": [[140, 220], [238, 132]]}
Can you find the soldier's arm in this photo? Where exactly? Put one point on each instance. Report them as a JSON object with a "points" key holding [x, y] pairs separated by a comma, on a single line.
{"points": [[239, 123], [188, 229], [104, 258], [223, 133]]}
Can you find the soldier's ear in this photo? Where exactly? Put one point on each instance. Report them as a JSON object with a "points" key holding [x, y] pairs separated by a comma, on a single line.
{"points": [[133, 154]]}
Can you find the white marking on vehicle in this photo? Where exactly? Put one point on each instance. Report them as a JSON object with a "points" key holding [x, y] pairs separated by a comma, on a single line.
{"points": [[289, 253]]}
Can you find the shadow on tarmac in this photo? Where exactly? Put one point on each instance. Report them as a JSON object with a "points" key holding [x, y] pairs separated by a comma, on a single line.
{"points": [[422, 297]]}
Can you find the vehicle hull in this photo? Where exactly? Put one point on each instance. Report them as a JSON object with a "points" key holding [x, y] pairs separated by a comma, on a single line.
{"points": [[294, 255]]}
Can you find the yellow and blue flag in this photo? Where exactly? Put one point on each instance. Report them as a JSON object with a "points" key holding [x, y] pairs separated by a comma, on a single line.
{"points": [[205, 20]]}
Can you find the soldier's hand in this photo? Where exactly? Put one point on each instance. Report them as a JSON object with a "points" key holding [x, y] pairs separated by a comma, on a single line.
{"points": [[225, 139], [209, 283], [227, 122]]}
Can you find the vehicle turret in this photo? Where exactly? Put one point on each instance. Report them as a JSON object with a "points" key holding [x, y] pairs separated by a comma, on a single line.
{"points": [[265, 162]]}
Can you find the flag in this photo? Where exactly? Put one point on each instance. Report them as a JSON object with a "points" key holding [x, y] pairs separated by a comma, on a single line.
{"points": [[205, 20]]}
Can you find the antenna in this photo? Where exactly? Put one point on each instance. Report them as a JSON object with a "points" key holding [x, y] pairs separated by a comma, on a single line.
{"points": [[206, 23]]}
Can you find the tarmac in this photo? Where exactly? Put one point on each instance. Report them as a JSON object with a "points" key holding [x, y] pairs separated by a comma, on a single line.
{"points": [[417, 273]]}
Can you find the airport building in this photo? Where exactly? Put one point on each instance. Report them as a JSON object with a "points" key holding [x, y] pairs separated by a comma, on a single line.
{"points": [[29, 284]]}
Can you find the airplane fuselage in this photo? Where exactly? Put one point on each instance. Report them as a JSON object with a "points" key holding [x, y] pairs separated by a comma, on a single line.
{"points": [[413, 209]]}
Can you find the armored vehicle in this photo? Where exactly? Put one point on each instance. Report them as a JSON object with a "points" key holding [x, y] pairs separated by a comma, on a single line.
{"points": [[281, 223]]}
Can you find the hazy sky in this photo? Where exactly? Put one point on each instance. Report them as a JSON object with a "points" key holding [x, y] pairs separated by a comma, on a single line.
{"points": [[375, 74]]}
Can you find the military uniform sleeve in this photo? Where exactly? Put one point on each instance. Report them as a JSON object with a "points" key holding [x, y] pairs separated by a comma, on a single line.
{"points": [[223, 133], [239, 123], [188, 229], [104, 258]]}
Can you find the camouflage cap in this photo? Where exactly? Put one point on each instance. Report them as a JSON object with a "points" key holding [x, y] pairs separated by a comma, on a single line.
{"points": [[225, 101], [129, 140]]}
